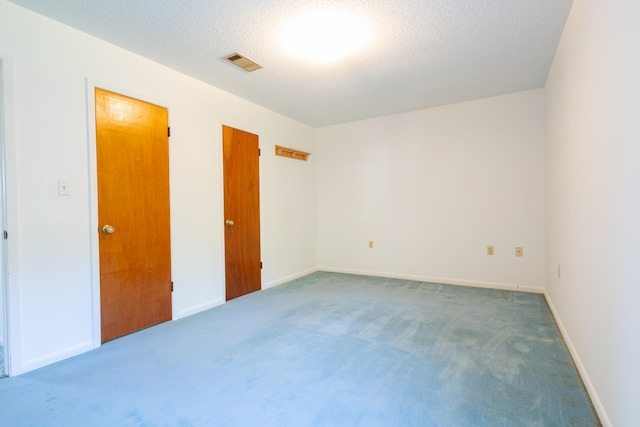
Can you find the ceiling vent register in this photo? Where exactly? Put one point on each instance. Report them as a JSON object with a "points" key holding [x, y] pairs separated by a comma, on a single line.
{"points": [[243, 62]]}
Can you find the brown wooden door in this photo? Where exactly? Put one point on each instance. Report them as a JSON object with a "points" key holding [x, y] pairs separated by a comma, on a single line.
{"points": [[241, 212], [132, 150]]}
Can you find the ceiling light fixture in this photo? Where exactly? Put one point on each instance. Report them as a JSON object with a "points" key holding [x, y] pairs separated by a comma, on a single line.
{"points": [[325, 35]]}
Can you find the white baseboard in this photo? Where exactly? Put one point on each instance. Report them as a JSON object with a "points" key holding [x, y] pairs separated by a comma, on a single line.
{"points": [[57, 356], [199, 308], [443, 280], [595, 399], [220, 301], [289, 278]]}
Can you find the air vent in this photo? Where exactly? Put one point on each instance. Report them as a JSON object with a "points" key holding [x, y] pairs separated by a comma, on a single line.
{"points": [[243, 62]]}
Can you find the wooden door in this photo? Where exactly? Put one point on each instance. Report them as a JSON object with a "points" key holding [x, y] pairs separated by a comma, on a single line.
{"points": [[241, 212], [132, 150]]}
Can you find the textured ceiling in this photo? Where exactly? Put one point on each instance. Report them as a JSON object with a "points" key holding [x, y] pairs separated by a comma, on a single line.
{"points": [[424, 53]]}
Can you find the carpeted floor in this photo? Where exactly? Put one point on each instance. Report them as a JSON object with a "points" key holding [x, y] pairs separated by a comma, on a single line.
{"points": [[324, 350]]}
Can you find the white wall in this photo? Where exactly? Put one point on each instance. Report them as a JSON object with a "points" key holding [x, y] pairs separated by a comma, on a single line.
{"points": [[432, 189], [593, 200], [54, 282]]}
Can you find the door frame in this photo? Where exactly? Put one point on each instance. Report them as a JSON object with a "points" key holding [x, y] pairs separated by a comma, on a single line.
{"points": [[94, 225], [245, 128], [10, 280]]}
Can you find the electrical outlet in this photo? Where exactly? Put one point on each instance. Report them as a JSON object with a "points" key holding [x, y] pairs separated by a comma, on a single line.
{"points": [[490, 250], [519, 251], [370, 244]]}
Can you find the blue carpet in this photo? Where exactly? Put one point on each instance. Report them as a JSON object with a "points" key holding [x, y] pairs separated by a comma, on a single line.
{"points": [[324, 350]]}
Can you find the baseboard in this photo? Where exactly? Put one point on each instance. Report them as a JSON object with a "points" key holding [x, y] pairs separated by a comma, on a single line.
{"points": [[199, 308], [289, 278], [443, 280], [57, 356], [220, 301], [595, 399]]}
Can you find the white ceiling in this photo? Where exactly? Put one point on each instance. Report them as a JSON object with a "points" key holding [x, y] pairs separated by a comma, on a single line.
{"points": [[424, 53]]}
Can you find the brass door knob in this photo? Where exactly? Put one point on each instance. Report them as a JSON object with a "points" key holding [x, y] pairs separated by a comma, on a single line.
{"points": [[108, 229], [229, 222]]}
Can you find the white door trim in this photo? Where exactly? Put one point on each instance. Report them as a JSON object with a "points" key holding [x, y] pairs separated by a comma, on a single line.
{"points": [[9, 282]]}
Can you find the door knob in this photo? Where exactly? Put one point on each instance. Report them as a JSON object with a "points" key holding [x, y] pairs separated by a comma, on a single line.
{"points": [[108, 229], [229, 222]]}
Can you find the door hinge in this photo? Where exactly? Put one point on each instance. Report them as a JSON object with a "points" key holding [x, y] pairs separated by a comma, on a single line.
{"points": [[171, 286], [259, 152], [169, 131], [260, 265], [5, 235]]}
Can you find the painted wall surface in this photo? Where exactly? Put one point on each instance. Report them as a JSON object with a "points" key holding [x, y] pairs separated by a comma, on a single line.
{"points": [[592, 158], [51, 66], [432, 189]]}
